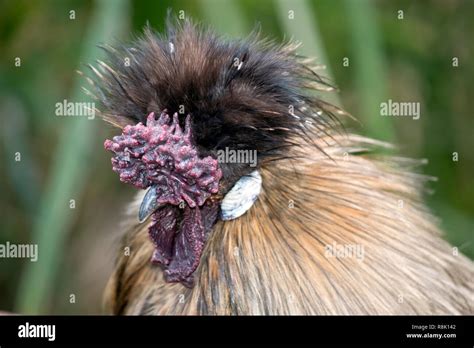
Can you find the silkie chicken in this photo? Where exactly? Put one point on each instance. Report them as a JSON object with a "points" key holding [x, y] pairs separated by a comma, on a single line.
{"points": [[210, 236]]}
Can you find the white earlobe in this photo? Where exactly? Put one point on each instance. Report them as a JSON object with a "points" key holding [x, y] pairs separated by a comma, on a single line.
{"points": [[241, 196]]}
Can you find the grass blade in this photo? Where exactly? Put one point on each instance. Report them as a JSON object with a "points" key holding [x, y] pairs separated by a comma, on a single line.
{"points": [[68, 174]]}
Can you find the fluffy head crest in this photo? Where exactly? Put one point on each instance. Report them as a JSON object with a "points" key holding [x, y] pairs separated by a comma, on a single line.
{"points": [[242, 94]]}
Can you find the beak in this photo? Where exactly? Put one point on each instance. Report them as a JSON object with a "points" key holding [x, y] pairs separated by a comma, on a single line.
{"points": [[149, 204]]}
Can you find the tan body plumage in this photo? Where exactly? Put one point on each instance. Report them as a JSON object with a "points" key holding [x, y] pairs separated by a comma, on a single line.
{"points": [[273, 259]]}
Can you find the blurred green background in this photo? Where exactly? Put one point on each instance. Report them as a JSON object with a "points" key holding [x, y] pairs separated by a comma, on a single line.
{"points": [[404, 56]]}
